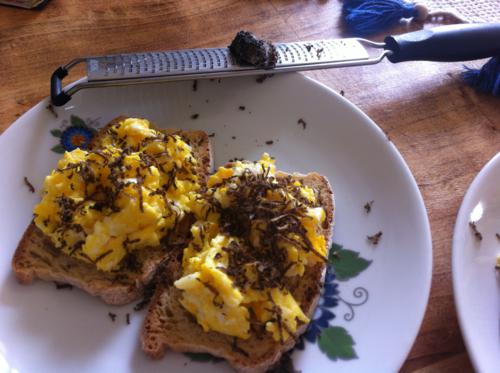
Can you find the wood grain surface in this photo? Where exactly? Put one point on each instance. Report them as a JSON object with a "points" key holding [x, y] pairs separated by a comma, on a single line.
{"points": [[445, 131]]}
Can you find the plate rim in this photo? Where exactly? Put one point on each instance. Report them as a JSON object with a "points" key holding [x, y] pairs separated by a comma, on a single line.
{"points": [[458, 299]]}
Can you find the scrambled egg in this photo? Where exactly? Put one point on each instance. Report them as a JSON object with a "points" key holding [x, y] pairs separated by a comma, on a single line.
{"points": [[124, 195], [212, 292]]}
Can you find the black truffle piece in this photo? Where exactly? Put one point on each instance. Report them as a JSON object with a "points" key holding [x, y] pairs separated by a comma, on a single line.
{"points": [[246, 48]]}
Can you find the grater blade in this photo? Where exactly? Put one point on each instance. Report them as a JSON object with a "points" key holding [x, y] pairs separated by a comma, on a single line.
{"points": [[150, 67], [218, 60]]}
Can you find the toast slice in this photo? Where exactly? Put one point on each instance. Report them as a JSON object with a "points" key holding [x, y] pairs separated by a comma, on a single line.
{"points": [[36, 256], [169, 325]]}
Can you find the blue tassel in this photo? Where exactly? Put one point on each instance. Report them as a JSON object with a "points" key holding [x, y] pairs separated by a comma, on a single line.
{"points": [[367, 17], [348, 5], [487, 79]]}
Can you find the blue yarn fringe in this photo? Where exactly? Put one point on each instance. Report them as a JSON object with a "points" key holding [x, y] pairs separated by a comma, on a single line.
{"points": [[487, 79], [367, 17]]}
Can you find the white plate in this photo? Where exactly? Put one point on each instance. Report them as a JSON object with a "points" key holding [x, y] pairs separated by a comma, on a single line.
{"points": [[58, 331], [476, 284]]}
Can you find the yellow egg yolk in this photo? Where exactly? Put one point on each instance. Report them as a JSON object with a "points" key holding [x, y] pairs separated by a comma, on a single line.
{"points": [[222, 282], [125, 194]]}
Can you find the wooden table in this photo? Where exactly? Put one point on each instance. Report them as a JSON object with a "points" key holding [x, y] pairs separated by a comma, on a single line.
{"points": [[444, 130]]}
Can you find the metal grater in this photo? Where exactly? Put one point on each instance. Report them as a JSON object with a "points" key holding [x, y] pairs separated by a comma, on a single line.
{"points": [[148, 67], [444, 44]]}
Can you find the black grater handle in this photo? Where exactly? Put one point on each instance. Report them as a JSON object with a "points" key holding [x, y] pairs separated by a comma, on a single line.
{"points": [[446, 43], [57, 95]]}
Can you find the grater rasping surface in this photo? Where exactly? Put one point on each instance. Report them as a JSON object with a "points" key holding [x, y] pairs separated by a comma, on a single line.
{"points": [[218, 60], [151, 67]]}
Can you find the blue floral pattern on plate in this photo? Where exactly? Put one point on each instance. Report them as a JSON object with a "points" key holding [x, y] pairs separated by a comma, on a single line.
{"points": [[74, 133], [76, 137], [323, 314]]}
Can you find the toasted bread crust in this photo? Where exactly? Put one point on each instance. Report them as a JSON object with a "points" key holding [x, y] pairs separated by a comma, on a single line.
{"points": [[169, 325], [36, 257]]}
